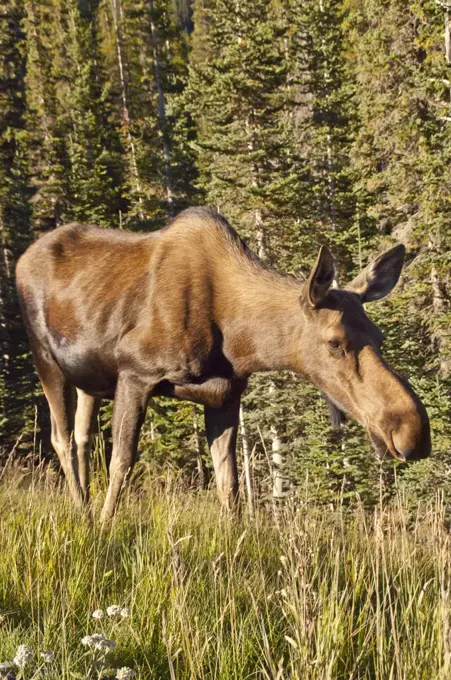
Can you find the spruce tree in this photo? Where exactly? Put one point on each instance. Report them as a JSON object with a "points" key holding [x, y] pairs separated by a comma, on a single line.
{"points": [[144, 49], [16, 374], [402, 157], [238, 96]]}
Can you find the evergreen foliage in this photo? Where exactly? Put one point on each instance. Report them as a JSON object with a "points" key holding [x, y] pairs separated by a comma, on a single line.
{"points": [[305, 122]]}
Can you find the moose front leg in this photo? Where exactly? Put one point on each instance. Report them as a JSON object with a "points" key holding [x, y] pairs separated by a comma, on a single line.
{"points": [[221, 426], [129, 409]]}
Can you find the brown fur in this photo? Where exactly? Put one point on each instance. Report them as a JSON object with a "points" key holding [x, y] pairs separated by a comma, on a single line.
{"points": [[190, 312]]}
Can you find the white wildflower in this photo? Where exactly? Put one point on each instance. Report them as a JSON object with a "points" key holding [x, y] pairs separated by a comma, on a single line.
{"points": [[125, 612], [99, 642], [125, 673], [97, 614], [91, 640], [105, 645], [113, 610], [47, 655], [23, 656]]}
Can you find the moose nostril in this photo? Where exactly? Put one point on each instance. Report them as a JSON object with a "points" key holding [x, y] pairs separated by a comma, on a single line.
{"points": [[403, 443], [402, 454], [411, 445]]}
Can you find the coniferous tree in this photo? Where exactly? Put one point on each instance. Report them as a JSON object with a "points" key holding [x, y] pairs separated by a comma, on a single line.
{"points": [[16, 374], [239, 97], [145, 51], [45, 139], [306, 122], [93, 163], [402, 158]]}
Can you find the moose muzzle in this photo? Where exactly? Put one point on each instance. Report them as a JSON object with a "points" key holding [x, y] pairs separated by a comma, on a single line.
{"points": [[402, 426]]}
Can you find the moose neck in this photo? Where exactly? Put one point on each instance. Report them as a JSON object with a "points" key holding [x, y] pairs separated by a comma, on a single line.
{"points": [[264, 322]]}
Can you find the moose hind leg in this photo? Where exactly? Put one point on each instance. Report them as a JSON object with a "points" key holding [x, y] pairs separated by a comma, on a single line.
{"points": [[85, 420], [129, 409], [60, 396], [221, 425]]}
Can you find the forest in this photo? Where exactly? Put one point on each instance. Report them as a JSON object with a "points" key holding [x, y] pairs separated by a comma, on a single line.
{"points": [[305, 122]]}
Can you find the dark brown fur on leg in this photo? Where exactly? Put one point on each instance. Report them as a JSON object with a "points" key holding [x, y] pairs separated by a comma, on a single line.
{"points": [[128, 415]]}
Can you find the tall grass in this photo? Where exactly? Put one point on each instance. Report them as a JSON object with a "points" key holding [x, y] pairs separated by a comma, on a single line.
{"points": [[302, 593]]}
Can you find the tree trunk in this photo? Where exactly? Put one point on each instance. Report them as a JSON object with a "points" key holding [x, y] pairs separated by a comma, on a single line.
{"points": [[247, 464], [5, 278], [277, 457], [162, 118], [116, 9], [201, 472], [439, 302], [331, 182], [448, 33], [276, 444]]}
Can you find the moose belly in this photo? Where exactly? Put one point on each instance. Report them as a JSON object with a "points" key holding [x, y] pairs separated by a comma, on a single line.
{"points": [[92, 370]]}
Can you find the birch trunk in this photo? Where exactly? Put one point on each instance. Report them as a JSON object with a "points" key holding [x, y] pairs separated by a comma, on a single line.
{"points": [[5, 278], [448, 33], [329, 150], [201, 476], [331, 182], [439, 302], [276, 444], [276, 456], [247, 464], [447, 9], [162, 118], [116, 10]]}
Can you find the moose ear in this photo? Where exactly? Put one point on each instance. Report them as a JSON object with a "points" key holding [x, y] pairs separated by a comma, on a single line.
{"points": [[321, 277], [380, 277]]}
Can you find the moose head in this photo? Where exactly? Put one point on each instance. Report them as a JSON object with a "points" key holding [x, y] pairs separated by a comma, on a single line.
{"points": [[341, 354]]}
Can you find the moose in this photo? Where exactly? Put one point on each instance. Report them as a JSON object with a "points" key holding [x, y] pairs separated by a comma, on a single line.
{"points": [[191, 312]]}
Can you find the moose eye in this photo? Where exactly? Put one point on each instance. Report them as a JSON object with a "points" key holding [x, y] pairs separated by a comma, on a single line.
{"points": [[334, 344]]}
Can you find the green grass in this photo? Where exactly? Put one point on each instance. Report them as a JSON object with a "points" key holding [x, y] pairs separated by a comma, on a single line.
{"points": [[305, 594]]}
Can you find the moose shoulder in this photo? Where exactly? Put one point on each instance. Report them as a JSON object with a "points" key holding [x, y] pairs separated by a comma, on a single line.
{"points": [[191, 312]]}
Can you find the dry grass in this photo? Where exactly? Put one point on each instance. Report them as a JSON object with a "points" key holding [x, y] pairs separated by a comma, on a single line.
{"points": [[307, 594]]}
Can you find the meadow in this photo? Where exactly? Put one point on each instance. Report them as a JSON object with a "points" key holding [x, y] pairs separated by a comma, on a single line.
{"points": [[297, 592]]}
